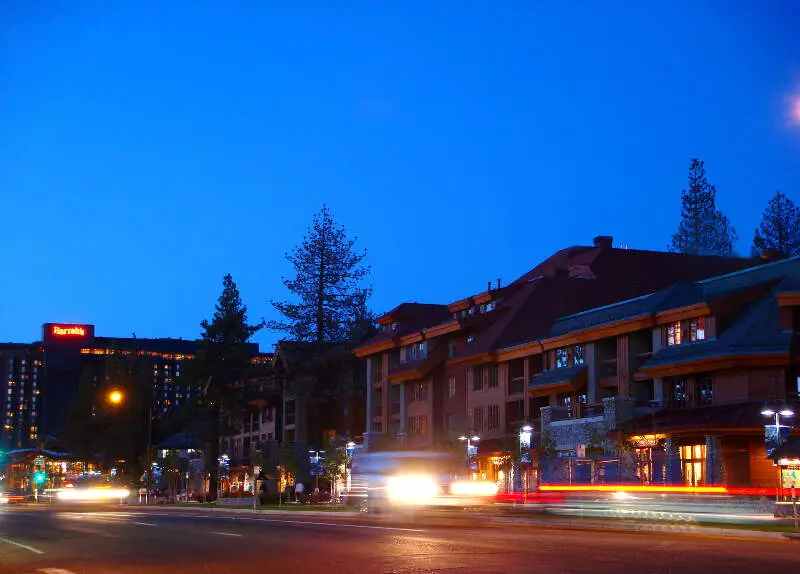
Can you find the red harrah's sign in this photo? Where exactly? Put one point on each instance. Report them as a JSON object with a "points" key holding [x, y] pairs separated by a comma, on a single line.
{"points": [[67, 331]]}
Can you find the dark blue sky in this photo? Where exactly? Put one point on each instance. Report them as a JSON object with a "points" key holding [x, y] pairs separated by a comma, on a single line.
{"points": [[146, 151]]}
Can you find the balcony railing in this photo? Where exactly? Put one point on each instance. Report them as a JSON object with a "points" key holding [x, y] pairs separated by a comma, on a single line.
{"points": [[578, 411]]}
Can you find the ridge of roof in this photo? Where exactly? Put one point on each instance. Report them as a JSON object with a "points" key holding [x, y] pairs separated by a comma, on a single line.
{"points": [[753, 269]]}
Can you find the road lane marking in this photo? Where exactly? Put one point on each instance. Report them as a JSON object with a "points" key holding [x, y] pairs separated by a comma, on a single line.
{"points": [[144, 523], [307, 522], [25, 546], [55, 571], [226, 534]]}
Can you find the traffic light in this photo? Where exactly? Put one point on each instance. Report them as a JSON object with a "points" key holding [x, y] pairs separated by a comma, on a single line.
{"points": [[38, 477]]}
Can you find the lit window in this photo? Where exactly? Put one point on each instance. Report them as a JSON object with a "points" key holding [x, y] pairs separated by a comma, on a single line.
{"points": [[451, 387], [674, 334], [693, 461], [470, 339], [562, 359], [697, 329], [705, 390], [579, 355], [678, 396]]}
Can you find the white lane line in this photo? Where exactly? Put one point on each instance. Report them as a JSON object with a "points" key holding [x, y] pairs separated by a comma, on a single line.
{"points": [[55, 571], [144, 523], [307, 522], [227, 534], [25, 546]]}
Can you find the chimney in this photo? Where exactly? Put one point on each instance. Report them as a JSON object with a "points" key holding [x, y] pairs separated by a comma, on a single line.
{"points": [[604, 241], [488, 286], [498, 283]]}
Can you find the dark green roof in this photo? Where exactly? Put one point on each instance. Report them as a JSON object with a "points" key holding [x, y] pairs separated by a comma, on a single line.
{"points": [[556, 376], [756, 331], [784, 273]]}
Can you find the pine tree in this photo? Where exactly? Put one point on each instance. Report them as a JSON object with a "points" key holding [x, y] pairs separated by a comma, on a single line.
{"points": [[780, 227], [328, 285], [223, 364], [703, 229]]}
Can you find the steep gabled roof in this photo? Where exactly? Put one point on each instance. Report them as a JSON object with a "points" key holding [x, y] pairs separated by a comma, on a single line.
{"points": [[570, 281]]}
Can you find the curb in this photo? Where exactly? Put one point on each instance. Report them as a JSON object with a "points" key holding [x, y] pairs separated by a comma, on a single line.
{"points": [[255, 511], [662, 528]]}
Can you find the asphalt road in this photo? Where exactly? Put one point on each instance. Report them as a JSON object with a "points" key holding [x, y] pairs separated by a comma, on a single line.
{"points": [[123, 540]]}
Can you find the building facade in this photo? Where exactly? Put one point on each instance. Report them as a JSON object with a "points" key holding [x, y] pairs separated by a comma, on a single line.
{"points": [[485, 365], [43, 379]]}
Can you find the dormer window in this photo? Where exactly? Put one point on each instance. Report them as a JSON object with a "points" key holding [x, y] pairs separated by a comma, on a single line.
{"points": [[697, 329], [674, 334]]}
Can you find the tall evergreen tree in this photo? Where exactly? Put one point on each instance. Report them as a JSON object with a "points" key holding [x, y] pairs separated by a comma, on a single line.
{"points": [[223, 365], [780, 227], [331, 302], [703, 229]]}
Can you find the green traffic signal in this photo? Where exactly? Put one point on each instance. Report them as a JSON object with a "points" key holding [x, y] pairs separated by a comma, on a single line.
{"points": [[39, 477]]}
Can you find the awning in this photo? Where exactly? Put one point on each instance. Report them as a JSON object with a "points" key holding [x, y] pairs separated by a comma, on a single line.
{"points": [[564, 380]]}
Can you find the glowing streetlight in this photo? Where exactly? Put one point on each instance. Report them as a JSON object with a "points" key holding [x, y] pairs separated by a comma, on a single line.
{"points": [[115, 397]]}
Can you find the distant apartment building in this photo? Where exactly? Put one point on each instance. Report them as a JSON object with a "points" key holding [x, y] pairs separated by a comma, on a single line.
{"points": [[310, 400], [485, 365], [42, 379]]}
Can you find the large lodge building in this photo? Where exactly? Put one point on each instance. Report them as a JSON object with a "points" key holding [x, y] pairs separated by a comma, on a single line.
{"points": [[629, 365]]}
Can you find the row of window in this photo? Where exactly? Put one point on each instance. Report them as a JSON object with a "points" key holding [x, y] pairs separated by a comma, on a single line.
{"points": [[703, 392], [484, 376], [681, 332], [485, 418]]}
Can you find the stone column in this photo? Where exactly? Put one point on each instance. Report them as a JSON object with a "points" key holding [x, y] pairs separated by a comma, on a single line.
{"points": [[715, 470], [672, 463], [368, 428]]}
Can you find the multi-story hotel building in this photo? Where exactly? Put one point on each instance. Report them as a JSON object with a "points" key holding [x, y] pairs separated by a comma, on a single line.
{"points": [[42, 379], [488, 364]]}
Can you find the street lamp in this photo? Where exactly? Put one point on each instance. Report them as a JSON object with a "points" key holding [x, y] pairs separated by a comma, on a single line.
{"points": [[116, 397], [768, 412], [784, 412], [469, 441]]}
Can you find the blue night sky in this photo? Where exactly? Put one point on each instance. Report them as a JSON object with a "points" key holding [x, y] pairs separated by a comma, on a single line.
{"points": [[146, 151]]}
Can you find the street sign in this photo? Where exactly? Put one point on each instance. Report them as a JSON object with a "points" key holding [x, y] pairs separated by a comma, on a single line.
{"points": [[580, 450]]}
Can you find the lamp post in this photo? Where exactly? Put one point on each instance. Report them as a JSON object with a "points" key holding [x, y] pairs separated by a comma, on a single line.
{"points": [[525, 434], [469, 441], [116, 398], [784, 412]]}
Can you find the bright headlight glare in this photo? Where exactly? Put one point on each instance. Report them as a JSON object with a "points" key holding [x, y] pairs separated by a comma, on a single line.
{"points": [[93, 494], [417, 489], [473, 488]]}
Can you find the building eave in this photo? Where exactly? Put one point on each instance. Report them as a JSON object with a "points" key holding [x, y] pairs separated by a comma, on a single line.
{"points": [[717, 363]]}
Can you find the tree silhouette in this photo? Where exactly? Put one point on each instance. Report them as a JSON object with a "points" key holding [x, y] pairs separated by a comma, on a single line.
{"points": [[330, 299], [703, 229], [780, 227]]}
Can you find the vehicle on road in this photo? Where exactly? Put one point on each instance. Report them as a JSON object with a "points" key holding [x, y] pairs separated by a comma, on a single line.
{"points": [[407, 482]]}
